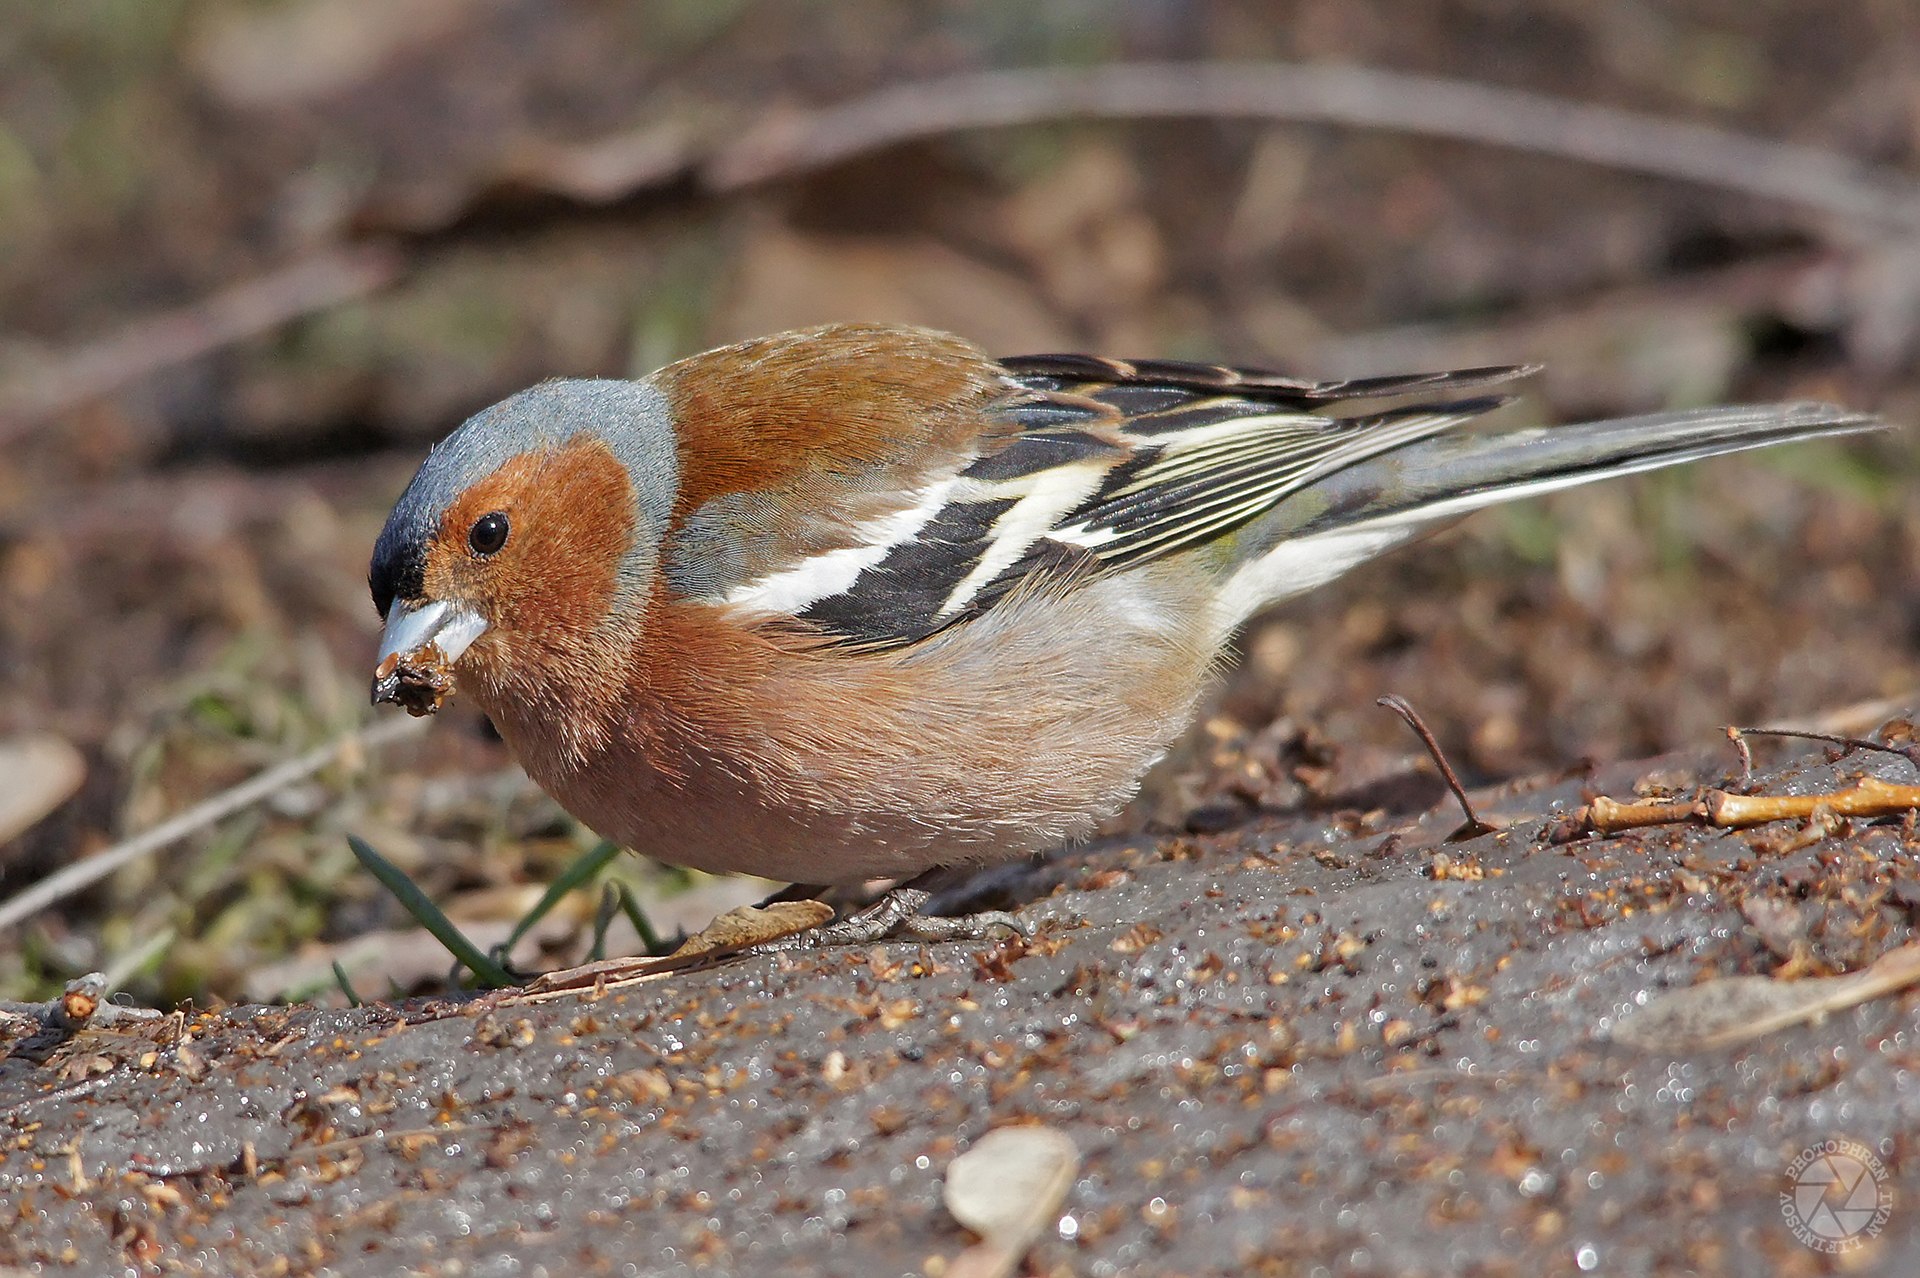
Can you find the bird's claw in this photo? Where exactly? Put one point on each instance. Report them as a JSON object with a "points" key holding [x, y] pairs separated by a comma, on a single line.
{"points": [[897, 914]]}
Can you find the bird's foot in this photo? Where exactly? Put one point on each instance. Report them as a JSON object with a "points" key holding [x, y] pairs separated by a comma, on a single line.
{"points": [[775, 927], [897, 914]]}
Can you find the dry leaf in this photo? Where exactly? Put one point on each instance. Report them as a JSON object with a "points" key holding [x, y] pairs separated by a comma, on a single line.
{"points": [[1739, 1008], [753, 924]]}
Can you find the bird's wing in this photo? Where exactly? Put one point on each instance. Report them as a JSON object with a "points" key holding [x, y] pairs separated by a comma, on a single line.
{"points": [[1064, 465]]}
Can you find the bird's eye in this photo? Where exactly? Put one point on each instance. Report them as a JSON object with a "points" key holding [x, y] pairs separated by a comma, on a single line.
{"points": [[489, 533]]}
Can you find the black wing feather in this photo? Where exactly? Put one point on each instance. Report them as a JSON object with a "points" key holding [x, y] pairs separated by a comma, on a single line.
{"points": [[1129, 460]]}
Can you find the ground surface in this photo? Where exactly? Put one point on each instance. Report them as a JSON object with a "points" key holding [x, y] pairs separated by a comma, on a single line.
{"points": [[183, 550], [1292, 1045]]}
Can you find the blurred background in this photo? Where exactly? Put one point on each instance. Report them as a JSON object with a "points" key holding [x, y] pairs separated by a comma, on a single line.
{"points": [[255, 257]]}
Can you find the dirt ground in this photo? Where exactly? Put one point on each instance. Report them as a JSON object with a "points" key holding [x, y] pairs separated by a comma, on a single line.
{"points": [[255, 257], [1299, 1045]]}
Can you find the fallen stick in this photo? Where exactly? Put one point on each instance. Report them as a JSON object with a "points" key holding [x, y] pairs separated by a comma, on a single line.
{"points": [[788, 143], [1867, 797], [784, 144], [98, 368], [84, 874], [735, 931]]}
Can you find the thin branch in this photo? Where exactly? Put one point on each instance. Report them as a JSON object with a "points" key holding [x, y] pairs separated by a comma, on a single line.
{"points": [[84, 874], [1739, 740], [788, 143], [1474, 827], [199, 328], [1867, 797], [1911, 753], [1357, 97]]}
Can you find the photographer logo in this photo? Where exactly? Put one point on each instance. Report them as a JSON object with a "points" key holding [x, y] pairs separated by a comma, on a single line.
{"points": [[1838, 1195]]}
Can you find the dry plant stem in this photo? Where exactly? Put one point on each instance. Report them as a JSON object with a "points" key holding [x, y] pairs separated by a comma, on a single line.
{"points": [[597, 978], [777, 925], [1738, 1009], [84, 874], [245, 310], [1739, 740], [748, 929], [1892, 971], [1609, 816], [1851, 743], [1428, 106], [1867, 797], [82, 1003], [1474, 826]]}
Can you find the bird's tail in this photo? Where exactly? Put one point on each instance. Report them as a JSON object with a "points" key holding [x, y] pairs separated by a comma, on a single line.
{"points": [[1381, 502]]}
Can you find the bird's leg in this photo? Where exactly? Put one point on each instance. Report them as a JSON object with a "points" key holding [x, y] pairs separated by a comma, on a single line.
{"points": [[898, 914]]}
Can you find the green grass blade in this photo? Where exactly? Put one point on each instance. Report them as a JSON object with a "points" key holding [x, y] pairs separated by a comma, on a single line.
{"points": [[642, 926], [428, 915], [602, 920], [346, 986], [579, 874]]}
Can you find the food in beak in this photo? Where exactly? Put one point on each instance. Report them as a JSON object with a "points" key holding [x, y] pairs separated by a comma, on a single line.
{"points": [[419, 682], [417, 652]]}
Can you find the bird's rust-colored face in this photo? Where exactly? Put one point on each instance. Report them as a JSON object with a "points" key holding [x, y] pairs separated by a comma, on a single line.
{"points": [[521, 568]]}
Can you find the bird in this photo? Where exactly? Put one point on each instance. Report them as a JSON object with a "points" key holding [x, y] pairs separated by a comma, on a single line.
{"points": [[861, 602]]}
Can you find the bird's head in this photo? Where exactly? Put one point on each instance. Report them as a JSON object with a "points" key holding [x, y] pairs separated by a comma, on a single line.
{"points": [[525, 550]]}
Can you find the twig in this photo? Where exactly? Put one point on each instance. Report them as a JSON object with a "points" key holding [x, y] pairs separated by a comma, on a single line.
{"points": [[84, 874], [83, 1002], [1867, 797], [1911, 753], [1610, 816], [1738, 737], [82, 998], [1474, 827], [789, 143], [1365, 97], [740, 930], [199, 328]]}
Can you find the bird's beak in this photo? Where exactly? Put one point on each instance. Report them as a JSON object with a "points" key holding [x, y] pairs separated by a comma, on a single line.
{"points": [[417, 648]]}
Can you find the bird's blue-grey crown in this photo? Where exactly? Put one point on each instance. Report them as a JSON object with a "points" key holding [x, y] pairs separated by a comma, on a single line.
{"points": [[632, 418]]}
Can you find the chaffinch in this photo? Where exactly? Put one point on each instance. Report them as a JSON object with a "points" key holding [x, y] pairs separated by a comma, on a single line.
{"points": [[859, 601]]}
